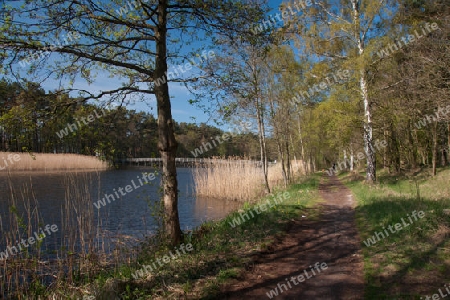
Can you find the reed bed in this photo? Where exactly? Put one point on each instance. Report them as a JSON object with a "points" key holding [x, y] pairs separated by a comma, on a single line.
{"points": [[275, 173], [71, 257], [48, 162], [237, 180], [15, 269], [229, 179]]}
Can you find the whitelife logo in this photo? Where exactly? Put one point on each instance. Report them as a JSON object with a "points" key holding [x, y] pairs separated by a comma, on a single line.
{"points": [[31, 240], [128, 189], [70, 37], [271, 23], [206, 146], [441, 113], [177, 71], [281, 287], [131, 6], [393, 47], [75, 126], [12, 158], [146, 269], [438, 296], [338, 77], [342, 165], [258, 208], [393, 229]]}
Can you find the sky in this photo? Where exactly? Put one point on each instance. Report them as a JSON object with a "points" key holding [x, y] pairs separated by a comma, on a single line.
{"points": [[182, 111]]}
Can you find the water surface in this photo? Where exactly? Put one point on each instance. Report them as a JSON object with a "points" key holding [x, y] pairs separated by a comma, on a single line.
{"points": [[67, 199]]}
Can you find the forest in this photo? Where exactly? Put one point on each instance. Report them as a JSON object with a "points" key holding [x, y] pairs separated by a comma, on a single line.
{"points": [[32, 120]]}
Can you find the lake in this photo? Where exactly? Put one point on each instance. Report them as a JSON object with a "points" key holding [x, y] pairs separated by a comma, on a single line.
{"points": [[67, 200]]}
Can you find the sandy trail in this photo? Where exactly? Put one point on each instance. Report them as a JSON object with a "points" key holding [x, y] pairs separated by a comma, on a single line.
{"points": [[333, 239]]}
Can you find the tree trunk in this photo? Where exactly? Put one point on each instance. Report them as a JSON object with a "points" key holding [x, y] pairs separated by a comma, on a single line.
{"points": [[352, 158], [294, 169], [262, 142], [167, 144], [448, 142], [435, 147], [345, 159], [312, 163], [288, 160], [302, 149], [368, 131], [283, 169], [386, 149], [412, 148], [279, 142], [3, 148]]}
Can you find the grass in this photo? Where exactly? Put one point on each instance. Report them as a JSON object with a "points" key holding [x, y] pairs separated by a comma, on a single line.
{"points": [[221, 252], [48, 162], [415, 261]]}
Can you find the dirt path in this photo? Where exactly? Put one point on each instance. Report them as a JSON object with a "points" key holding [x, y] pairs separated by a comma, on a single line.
{"points": [[332, 239]]}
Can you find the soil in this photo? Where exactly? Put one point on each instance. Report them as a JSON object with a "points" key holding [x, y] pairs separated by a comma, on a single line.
{"points": [[331, 238]]}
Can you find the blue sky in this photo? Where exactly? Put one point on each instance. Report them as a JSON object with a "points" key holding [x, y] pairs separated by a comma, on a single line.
{"points": [[181, 109]]}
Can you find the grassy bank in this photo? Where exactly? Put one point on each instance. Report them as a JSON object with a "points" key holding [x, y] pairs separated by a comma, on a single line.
{"points": [[221, 250], [412, 260]]}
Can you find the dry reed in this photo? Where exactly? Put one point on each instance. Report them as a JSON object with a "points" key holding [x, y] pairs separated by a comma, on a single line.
{"points": [[229, 179], [15, 227], [275, 173], [237, 180], [80, 250], [48, 162]]}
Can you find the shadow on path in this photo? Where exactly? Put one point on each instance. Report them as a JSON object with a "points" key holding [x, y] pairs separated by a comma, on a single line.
{"points": [[332, 239]]}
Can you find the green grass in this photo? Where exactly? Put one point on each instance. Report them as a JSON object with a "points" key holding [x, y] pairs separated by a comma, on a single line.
{"points": [[221, 252], [408, 264], [414, 261]]}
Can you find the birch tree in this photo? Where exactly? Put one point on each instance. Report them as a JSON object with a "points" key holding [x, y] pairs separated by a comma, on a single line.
{"points": [[341, 33]]}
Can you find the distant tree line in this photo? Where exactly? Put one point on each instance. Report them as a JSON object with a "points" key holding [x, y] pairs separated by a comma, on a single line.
{"points": [[33, 120]]}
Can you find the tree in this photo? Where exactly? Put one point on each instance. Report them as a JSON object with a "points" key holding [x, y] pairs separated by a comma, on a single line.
{"points": [[283, 73], [134, 42], [339, 33], [237, 82], [411, 86]]}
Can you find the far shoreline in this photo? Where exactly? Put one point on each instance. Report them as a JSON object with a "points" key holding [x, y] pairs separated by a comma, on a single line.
{"points": [[13, 162]]}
